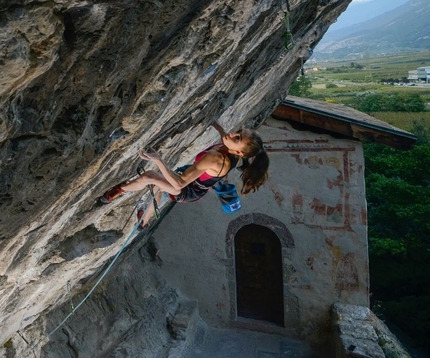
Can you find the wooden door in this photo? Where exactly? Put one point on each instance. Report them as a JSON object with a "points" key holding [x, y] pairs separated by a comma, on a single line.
{"points": [[259, 283]]}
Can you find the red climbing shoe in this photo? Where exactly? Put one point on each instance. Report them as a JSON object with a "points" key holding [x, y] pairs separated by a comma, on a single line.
{"points": [[111, 195], [140, 213]]}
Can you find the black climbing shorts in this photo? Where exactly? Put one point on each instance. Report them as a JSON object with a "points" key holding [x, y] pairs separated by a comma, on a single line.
{"points": [[192, 192]]}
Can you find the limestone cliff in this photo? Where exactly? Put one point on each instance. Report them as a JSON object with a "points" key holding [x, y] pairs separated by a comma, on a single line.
{"points": [[84, 84]]}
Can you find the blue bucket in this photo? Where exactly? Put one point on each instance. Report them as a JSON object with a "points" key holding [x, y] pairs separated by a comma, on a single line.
{"points": [[229, 198]]}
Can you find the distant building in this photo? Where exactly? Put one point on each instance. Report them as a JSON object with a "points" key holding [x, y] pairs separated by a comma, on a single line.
{"points": [[413, 75], [420, 74], [423, 73]]}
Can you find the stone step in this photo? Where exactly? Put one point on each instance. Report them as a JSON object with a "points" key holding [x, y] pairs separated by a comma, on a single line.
{"points": [[239, 343]]}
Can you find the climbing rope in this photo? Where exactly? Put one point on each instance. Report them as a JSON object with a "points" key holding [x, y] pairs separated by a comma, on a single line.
{"points": [[141, 169], [99, 280], [288, 36], [73, 309]]}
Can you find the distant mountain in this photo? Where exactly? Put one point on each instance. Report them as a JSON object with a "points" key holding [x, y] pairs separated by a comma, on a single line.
{"points": [[405, 28], [360, 11]]}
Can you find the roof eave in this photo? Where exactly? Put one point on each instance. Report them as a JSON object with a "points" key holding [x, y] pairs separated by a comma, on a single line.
{"points": [[346, 125]]}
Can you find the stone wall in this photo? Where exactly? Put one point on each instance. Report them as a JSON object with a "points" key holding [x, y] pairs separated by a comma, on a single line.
{"points": [[314, 202], [357, 332]]}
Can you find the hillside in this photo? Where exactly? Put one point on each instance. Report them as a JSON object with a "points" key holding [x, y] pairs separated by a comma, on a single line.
{"points": [[360, 11], [405, 28]]}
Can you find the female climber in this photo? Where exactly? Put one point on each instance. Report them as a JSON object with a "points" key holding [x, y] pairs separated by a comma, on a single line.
{"points": [[190, 183]]}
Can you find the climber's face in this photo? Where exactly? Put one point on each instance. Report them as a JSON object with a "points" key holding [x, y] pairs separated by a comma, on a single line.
{"points": [[236, 142]]}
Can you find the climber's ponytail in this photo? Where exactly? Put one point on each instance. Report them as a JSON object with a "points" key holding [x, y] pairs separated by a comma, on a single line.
{"points": [[255, 174]]}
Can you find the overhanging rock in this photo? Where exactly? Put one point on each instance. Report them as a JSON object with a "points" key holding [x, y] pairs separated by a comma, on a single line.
{"points": [[84, 84]]}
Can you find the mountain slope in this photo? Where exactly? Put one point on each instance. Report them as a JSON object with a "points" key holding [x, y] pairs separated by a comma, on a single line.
{"points": [[405, 28], [360, 11]]}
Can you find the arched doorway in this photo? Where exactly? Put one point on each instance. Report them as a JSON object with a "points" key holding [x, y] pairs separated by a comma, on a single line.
{"points": [[259, 283]]}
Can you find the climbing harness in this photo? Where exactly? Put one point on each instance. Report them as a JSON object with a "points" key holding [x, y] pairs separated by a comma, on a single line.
{"points": [[288, 36]]}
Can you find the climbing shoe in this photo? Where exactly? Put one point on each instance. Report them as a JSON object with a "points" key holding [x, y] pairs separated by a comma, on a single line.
{"points": [[111, 195], [140, 213]]}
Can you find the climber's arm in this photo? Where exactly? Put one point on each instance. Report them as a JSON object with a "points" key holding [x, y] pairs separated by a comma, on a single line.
{"points": [[208, 161], [218, 127]]}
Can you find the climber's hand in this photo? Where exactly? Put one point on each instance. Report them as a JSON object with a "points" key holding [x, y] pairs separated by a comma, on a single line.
{"points": [[219, 128], [149, 154]]}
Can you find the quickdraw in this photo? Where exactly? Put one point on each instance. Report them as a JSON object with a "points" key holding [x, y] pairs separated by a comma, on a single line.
{"points": [[140, 171], [288, 36]]}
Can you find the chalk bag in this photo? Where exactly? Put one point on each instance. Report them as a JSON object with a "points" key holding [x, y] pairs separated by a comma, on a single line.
{"points": [[229, 198]]}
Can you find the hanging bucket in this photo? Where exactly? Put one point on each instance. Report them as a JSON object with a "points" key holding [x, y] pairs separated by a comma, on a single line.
{"points": [[229, 198]]}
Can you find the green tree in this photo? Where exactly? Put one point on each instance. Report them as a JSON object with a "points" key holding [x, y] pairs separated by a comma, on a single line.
{"points": [[381, 102], [421, 130], [398, 195], [331, 85], [301, 87], [414, 103]]}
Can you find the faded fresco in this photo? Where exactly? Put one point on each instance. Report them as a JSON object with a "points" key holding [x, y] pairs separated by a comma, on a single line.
{"points": [[314, 202], [326, 206]]}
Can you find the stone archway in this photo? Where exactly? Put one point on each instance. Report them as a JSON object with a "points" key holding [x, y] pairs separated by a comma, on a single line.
{"points": [[284, 237]]}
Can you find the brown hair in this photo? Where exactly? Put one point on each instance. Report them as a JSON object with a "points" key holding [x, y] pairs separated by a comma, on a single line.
{"points": [[255, 174]]}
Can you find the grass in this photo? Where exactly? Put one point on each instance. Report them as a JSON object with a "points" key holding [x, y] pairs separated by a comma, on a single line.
{"points": [[352, 90], [402, 120], [352, 81], [375, 69], [378, 67]]}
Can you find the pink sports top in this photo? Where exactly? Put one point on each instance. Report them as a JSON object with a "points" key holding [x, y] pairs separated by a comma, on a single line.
{"points": [[209, 180]]}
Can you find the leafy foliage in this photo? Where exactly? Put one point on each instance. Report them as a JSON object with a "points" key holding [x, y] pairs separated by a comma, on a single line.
{"points": [[412, 313], [398, 195], [405, 120], [331, 85], [380, 102], [301, 87]]}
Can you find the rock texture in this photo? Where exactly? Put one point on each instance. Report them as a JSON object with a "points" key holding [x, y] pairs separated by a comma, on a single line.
{"points": [[359, 333], [135, 313], [84, 84]]}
